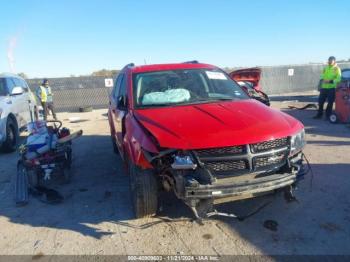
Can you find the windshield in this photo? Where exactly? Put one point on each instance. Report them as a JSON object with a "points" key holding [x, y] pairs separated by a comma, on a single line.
{"points": [[3, 91], [188, 86]]}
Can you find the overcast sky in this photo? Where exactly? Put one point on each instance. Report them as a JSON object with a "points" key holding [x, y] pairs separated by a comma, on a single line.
{"points": [[62, 38]]}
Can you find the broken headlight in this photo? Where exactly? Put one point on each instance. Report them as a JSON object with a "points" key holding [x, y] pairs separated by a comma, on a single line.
{"points": [[183, 161], [297, 142]]}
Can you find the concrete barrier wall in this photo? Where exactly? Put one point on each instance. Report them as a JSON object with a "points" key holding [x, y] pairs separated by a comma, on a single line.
{"points": [[74, 92]]}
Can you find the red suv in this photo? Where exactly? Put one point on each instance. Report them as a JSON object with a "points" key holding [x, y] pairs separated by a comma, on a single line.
{"points": [[190, 128]]}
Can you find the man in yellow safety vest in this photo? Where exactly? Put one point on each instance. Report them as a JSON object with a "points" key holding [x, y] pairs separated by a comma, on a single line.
{"points": [[330, 77], [44, 93]]}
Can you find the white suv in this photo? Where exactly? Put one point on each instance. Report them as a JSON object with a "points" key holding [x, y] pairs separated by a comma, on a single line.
{"points": [[16, 104]]}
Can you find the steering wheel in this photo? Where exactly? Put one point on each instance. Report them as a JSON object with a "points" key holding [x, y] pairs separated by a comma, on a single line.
{"points": [[193, 94]]}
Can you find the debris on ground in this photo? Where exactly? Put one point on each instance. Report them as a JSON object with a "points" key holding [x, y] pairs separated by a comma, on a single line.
{"points": [[74, 119], [303, 107], [271, 225], [108, 194], [38, 256], [207, 236], [331, 227]]}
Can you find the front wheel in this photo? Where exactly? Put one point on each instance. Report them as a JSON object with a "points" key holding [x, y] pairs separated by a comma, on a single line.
{"points": [[144, 191], [10, 144]]}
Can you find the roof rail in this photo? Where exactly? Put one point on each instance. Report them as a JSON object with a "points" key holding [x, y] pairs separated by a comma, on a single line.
{"points": [[130, 65], [191, 62]]}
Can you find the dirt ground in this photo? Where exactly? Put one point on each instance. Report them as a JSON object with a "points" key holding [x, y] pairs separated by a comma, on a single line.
{"points": [[96, 216]]}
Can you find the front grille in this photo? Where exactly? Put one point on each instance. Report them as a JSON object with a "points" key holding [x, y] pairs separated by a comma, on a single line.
{"points": [[231, 165], [269, 145], [270, 160], [223, 151], [238, 160]]}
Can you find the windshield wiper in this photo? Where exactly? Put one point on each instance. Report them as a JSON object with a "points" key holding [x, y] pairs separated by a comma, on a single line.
{"points": [[213, 99], [223, 98], [157, 105], [198, 101]]}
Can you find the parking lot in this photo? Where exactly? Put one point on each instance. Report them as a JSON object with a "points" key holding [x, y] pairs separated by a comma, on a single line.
{"points": [[96, 216]]}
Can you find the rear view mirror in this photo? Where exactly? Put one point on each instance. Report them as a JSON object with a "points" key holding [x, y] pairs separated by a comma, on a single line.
{"points": [[17, 91], [121, 103]]}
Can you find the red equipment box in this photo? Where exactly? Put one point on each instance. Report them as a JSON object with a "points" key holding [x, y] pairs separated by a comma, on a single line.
{"points": [[342, 100]]}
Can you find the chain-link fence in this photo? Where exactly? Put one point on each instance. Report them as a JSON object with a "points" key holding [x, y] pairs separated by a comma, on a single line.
{"points": [[74, 92], [289, 79]]}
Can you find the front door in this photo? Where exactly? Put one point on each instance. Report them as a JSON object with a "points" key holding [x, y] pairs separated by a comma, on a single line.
{"points": [[118, 114]]}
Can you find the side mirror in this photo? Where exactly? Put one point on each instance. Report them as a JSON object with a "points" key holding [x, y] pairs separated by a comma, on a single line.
{"points": [[122, 103], [17, 90]]}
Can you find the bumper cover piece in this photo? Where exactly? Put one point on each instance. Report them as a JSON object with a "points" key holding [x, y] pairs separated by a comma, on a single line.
{"points": [[255, 186]]}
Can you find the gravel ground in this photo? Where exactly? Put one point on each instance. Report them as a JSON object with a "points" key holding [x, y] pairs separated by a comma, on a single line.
{"points": [[96, 216]]}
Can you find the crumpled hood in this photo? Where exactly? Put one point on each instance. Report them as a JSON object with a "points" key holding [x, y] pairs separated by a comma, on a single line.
{"points": [[217, 124]]}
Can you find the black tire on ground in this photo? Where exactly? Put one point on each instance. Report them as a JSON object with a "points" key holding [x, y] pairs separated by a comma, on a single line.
{"points": [[144, 191], [333, 118], [12, 134], [86, 109]]}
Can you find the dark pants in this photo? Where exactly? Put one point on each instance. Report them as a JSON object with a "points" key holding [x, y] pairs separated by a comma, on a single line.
{"points": [[329, 95], [48, 107]]}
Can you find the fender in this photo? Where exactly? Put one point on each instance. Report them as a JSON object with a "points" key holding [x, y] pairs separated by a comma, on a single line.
{"points": [[135, 139]]}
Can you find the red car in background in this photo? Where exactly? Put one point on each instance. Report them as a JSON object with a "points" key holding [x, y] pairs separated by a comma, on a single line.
{"points": [[249, 79], [189, 128]]}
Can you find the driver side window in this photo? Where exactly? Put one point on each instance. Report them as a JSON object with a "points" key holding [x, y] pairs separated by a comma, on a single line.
{"points": [[122, 89], [116, 89]]}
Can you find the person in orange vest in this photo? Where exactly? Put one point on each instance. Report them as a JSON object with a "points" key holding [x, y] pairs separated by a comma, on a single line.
{"points": [[330, 77]]}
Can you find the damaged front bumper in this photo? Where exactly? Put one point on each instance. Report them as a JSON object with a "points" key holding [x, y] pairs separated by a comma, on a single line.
{"points": [[239, 190], [201, 198], [248, 185], [202, 178]]}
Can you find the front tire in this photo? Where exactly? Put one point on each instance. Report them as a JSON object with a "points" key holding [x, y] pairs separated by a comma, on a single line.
{"points": [[144, 191], [10, 144]]}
